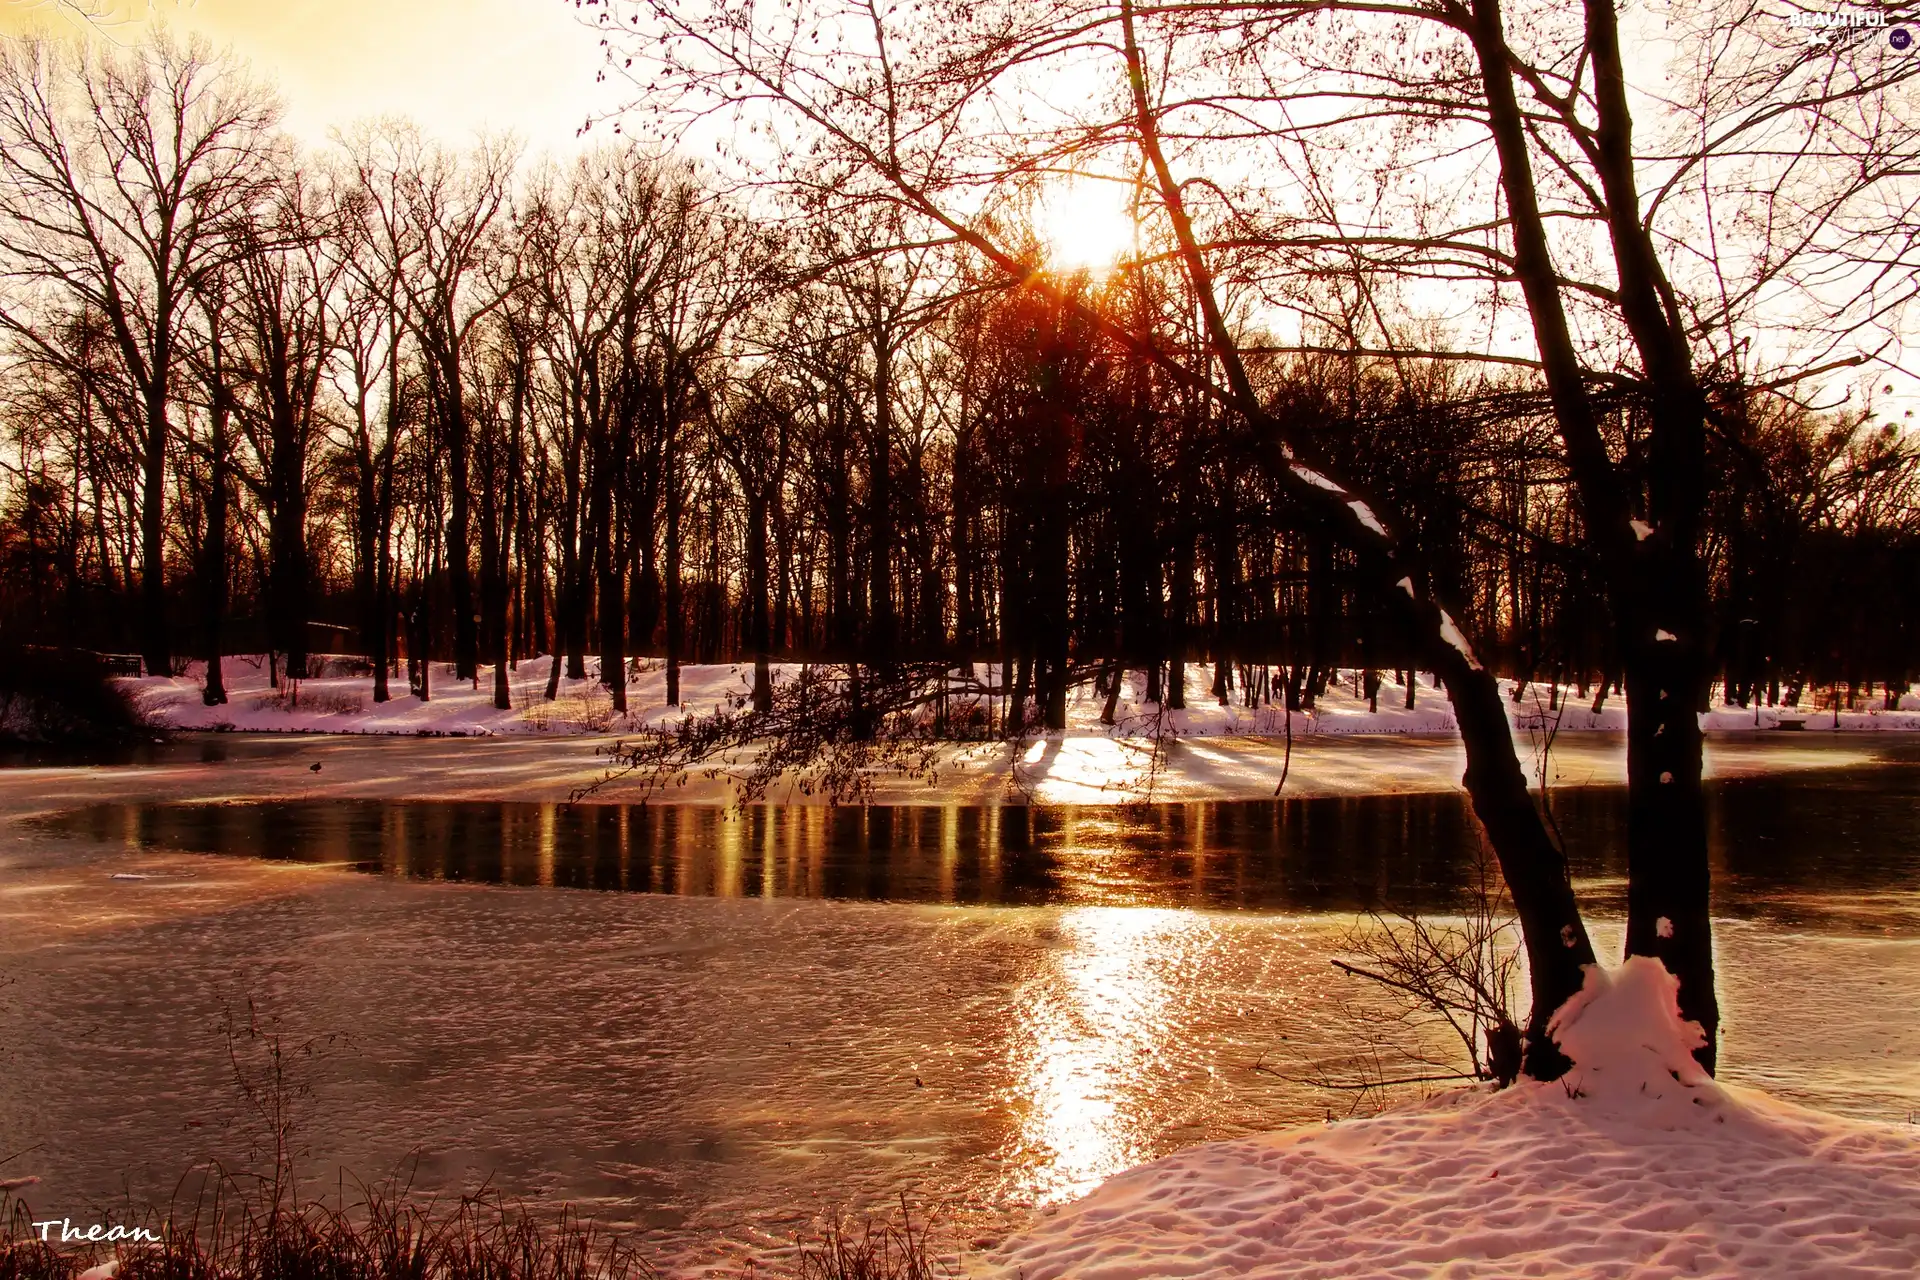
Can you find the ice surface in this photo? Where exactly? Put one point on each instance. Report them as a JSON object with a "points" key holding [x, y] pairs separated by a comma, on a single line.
{"points": [[716, 1072]]}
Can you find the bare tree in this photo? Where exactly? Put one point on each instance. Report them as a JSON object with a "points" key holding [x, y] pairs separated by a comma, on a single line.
{"points": [[439, 214], [891, 131], [121, 175], [288, 277], [1500, 162], [370, 376]]}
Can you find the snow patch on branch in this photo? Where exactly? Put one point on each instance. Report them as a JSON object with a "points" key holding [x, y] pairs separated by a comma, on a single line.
{"points": [[1365, 515], [1453, 636], [1315, 479]]}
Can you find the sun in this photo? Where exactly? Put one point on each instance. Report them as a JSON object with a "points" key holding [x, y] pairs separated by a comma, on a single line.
{"points": [[1084, 225]]}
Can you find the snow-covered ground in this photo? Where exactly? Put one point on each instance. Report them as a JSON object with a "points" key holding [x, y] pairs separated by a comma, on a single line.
{"points": [[344, 704], [1636, 1164], [1077, 771]]}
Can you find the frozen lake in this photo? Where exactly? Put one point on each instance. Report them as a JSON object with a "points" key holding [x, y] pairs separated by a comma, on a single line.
{"points": [[712, 1028]]}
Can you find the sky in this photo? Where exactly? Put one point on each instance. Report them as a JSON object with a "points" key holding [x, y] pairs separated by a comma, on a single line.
{"points": [[454, 66]]}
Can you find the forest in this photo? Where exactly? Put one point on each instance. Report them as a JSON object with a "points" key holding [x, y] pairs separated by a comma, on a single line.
{"points": [[406, 401]]}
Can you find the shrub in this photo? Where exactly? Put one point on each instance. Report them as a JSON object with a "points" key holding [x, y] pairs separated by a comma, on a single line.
{"points": [[313, 702], [62, 696]]}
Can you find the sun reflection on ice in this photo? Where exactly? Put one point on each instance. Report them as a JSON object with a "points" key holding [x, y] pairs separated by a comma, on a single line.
{"points": [[1092, 1030]]}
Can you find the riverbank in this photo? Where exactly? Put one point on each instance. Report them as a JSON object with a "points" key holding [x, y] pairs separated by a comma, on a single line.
{"points": [[1637, 1164], [341, 701], [1058, 770]]}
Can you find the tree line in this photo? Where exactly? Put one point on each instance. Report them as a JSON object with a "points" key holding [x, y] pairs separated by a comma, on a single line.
{"points": [[405, 401]]}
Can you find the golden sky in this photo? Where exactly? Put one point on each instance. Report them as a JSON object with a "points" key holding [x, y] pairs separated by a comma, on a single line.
{"points": [[455, 66]]}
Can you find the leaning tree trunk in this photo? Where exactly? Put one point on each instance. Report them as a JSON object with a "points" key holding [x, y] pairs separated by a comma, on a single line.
{"points": [[1556, 941]]}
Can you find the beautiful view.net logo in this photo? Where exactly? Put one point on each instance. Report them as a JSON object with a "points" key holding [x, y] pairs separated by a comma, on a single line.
{"points": [[1828, 28]]}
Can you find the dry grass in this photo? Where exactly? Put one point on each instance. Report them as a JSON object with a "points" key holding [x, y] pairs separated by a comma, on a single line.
{"points": [[588, 710], [313, 702], [230, 1234], [895, 1250]]}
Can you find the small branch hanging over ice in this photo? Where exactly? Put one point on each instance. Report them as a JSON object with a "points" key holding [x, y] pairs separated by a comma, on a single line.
{"points": [[1453, 973], [831, 730]]}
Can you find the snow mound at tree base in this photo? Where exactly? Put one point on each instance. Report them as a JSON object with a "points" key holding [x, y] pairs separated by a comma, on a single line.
{"points": [[1637, 1164]]}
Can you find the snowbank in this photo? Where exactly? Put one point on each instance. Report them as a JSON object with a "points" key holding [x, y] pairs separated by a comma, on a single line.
{"points": [[341, 702], [1636, 1165]]}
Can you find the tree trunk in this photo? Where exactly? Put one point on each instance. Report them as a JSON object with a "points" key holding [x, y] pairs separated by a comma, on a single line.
{"points": [[1654, 577], [466, 630], [1181, 608], [1536, 874], [1557, 946], [880, 613], [382, 621], [758, 619], [612, 603], [214, 559], [287, 534], [493, 583], [676, 614], [155, 650]]}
